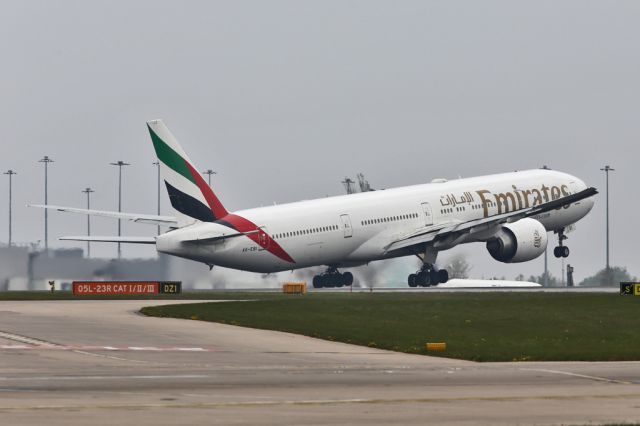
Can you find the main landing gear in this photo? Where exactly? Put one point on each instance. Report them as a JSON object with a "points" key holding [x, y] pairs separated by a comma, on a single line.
{"points": [[561, 250], [428, 276], [333, 278]]}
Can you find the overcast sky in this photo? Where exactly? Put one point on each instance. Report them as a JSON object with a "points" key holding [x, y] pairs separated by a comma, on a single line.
{"points": [[285, 98]]}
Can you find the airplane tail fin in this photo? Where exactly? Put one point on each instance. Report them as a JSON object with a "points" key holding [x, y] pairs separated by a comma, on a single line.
{"points": [[189, 194]]}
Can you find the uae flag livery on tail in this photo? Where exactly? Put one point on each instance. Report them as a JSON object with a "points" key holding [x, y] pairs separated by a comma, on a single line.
{"points": [[188, 192], [192, 198]]}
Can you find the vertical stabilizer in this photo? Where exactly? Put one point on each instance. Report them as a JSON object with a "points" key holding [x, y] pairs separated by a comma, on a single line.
{"points": [[188, 192]]}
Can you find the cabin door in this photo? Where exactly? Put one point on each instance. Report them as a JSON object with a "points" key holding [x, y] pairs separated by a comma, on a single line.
{"points": [[428, 215], [346, 225], [263, 237]]}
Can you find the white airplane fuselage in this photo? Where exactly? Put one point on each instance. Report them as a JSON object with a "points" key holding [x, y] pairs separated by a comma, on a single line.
{"points": [[354, 229]]}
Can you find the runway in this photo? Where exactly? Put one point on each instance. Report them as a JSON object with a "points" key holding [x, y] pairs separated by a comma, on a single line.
{"points": [[100, 362]]}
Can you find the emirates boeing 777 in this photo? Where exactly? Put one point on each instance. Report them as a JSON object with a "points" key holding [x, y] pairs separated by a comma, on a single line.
{"points": [[511, 212]]}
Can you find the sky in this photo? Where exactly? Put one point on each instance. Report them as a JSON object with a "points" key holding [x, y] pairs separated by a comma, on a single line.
{"points": [[285, 98]]}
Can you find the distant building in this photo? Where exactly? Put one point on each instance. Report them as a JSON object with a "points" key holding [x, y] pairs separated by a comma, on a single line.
{"points": [[27, 268]]}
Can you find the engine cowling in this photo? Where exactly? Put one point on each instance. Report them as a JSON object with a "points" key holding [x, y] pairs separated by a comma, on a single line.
{"points": [[520, 241]]}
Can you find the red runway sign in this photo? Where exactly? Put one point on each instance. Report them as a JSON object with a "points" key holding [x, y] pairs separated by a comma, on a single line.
{"points": [[81, 288]]}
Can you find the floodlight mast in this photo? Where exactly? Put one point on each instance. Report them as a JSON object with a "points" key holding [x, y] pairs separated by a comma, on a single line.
{"points": [[46, 160], [88, 191], [157, 164], [120, 164], [606, 169], [209, 172], [10, 173]]}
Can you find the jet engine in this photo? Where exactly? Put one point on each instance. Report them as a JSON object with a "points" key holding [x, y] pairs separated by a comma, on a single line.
{"points": [[519, 241]]}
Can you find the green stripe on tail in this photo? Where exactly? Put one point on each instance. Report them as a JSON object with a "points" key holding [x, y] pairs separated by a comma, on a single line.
{"points": [[169, 157]]}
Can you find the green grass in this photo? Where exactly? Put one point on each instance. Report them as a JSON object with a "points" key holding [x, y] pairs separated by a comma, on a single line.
{"points": [[475, 326], [189, 295]]}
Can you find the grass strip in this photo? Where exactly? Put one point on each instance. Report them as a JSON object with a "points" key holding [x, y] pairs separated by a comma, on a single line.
{"points": [[475, 326]]}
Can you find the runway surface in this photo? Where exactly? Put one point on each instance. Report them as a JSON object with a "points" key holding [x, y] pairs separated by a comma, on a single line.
{"points": [[99, 362]]}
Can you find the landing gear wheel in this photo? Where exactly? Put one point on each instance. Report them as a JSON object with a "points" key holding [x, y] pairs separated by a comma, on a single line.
{"points": [[443, 276], [317, 281], [412, 280], [347, 279], [328, 281], [422, 279], [433, 277], [561, 250]]}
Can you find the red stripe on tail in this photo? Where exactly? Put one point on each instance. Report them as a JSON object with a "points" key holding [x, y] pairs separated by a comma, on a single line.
{"points": [[214, 203], [239, 223]]}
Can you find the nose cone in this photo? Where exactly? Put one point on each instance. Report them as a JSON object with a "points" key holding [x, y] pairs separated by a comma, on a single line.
{"points": [[588, 203]]}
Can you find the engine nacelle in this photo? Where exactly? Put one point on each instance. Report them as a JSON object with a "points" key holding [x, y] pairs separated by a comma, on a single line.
{"points": [[519, 241]]}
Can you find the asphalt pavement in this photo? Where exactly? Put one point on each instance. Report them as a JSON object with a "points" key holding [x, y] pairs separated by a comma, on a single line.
{"points": [[101, 362]]}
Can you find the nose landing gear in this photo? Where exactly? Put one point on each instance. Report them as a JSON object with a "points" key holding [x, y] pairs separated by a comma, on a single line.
{"points": [[561, 250], [333, 278]]}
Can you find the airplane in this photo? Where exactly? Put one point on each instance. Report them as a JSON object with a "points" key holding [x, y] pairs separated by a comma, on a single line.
{"points": [[510, 212], [466, 283]]}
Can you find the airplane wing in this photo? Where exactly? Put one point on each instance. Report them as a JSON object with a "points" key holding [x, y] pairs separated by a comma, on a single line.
{"points": [[134, 217], [132, 240], [453, 229]]}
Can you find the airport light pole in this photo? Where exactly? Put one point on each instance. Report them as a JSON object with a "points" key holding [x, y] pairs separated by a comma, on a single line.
{"points": [[157, 164], [46, 160], [606, 169], [88, 191], [10, 173], [209, 172], [120, 164], [546, 269]]}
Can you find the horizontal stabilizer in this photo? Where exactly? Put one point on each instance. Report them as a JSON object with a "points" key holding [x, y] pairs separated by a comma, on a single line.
{"points": [[131, 240], [205, 239], [134, 217]]}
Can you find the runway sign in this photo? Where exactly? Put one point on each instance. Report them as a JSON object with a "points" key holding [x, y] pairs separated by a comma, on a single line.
{"points": [[82, 288], [630, 289]]}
